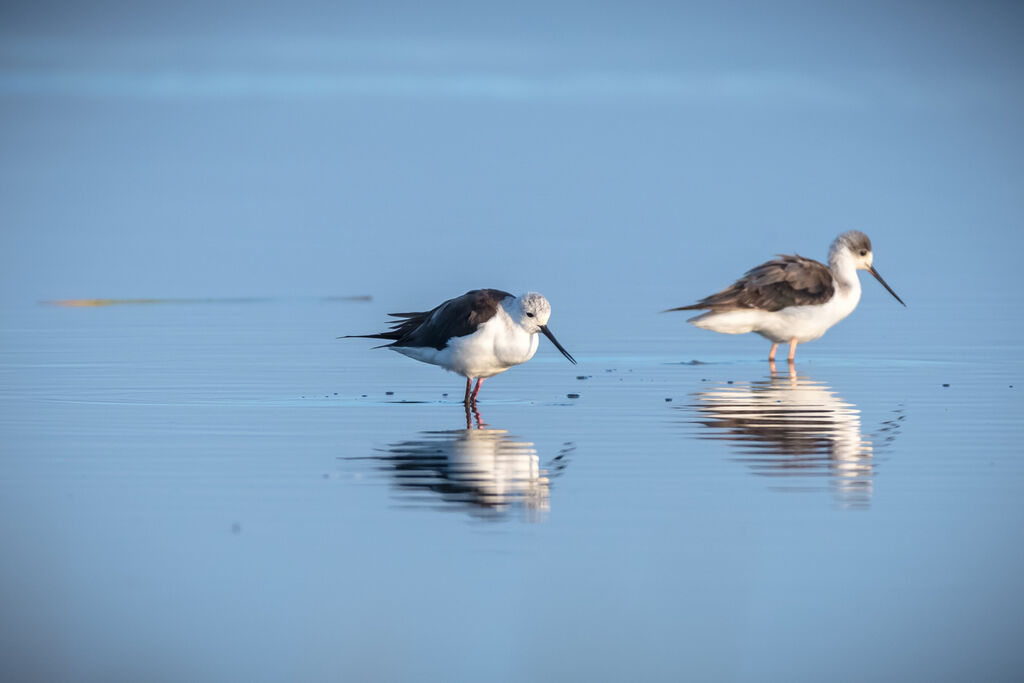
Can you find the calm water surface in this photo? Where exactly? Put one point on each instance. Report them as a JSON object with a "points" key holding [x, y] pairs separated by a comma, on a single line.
{"points": [[218, 489], [215, 491]]}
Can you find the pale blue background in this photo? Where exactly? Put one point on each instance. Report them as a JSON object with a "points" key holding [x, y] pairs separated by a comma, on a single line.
{"points": [[274, 149], [179, 498]]}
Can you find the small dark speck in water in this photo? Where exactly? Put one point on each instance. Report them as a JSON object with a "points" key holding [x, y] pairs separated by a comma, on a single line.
{"points": [[729, 382], [389, 393], [335, 393], [236, 528], [582, 376], [945, 385], [362, 395], [572, 395], [444, 394], [668, 400]]}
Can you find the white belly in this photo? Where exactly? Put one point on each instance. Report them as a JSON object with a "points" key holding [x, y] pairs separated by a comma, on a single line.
{"points": [[492, 349], [804, 323]]}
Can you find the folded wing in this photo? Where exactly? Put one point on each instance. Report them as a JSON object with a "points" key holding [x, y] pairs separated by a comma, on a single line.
{"points": [[789, 280], [456, 317]]}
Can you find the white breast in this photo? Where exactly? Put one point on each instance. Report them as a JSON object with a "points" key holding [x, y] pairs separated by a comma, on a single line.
{"points": [[805, 323], [495, 347]]}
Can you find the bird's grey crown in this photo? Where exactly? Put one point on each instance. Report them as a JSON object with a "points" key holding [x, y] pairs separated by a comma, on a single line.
{"points": [[533, 302], [854, 240]]}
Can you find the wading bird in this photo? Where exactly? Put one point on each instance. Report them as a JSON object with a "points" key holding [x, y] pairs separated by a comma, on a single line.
{"points": [[791, 298], [476, 335]]}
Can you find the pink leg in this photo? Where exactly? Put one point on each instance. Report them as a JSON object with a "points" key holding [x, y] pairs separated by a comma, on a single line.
{"points": [[792, 349], [771, 354], [469, 385], [473, 414], [476, 390]]}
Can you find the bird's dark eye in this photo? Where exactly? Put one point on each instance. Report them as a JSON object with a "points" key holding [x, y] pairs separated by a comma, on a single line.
{"points": [[863, 252], [529, 315]]}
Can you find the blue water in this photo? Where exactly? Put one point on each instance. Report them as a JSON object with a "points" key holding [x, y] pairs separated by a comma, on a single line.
{"points": [[213, 487], [223, 490]]}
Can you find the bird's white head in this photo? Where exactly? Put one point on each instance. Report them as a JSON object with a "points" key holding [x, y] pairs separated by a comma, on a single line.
{"points": [[531, 311], [853, 248]]}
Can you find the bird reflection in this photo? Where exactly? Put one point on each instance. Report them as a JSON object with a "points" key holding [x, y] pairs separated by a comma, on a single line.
{"points": [[793, 426], [485, 472]]}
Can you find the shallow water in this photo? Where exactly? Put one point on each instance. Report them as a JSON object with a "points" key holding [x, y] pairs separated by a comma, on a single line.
{"points": [[227, 491], [199, 482]]}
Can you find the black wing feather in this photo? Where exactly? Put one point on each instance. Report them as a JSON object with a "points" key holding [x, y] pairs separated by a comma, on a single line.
{"points": [[789, 280], [456, 317]]}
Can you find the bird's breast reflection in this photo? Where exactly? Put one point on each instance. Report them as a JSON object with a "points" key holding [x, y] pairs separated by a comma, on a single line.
{"points": [[485, 471], [792, 426]]}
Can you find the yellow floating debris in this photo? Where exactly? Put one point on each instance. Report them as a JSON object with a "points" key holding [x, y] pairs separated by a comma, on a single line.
{"points": [[79, 303], [85, 303]]}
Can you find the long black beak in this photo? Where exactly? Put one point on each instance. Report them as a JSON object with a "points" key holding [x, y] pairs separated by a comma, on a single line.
{"points": [[547, 333], [878, 277]]}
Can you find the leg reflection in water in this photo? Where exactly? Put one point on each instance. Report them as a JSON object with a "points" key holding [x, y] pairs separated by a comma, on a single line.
{"points": [[484, 471], [791, 426]]}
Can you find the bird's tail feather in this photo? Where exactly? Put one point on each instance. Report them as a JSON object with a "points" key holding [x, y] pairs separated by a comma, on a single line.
{"points": [[382, 335], [399, 328]]}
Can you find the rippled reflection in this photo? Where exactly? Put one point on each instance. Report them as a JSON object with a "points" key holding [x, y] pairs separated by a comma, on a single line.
{"points": [[793, 426], [487, 472]]}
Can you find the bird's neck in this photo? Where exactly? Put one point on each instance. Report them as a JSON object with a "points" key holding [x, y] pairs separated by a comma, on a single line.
{"points": [[844, 270]]}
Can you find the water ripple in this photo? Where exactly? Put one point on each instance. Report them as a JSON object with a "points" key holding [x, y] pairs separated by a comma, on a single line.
{"points": [[484, 471], [790, 426]]}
